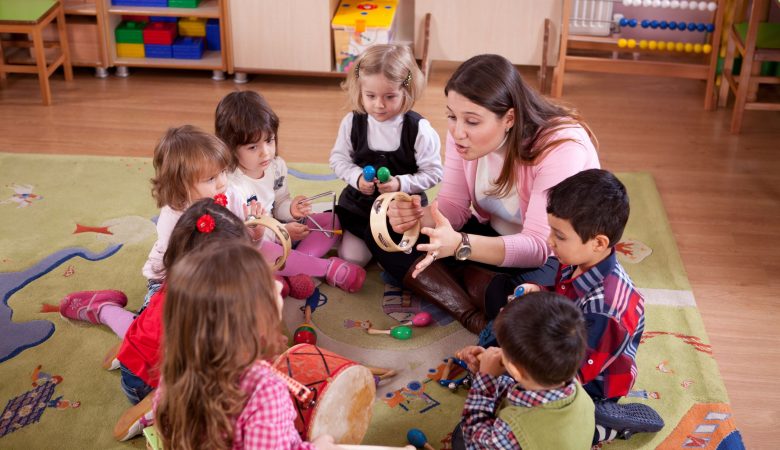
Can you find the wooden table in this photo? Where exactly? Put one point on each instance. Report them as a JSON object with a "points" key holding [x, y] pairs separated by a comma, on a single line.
{"points": [[31, 17]]}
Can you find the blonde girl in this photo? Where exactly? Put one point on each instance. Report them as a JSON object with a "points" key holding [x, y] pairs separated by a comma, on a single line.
{"points": [[381, 131]]}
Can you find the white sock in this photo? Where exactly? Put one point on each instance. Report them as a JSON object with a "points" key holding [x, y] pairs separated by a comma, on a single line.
{"points": [[354, 250]]}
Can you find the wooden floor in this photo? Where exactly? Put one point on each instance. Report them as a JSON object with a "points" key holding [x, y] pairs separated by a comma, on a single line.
{"points": [[721, 192]]}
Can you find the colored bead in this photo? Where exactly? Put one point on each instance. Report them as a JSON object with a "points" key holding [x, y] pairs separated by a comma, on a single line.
{"points": [[645, 23], [622, 43], [652, 45]]}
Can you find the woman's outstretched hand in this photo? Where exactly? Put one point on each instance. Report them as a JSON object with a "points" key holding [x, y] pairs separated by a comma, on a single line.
{"points": [[405, 214], [443, 240]]}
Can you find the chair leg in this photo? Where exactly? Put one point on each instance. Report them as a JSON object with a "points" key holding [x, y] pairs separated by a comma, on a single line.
{"points": [[741, 97], [64, 45], [728, 68], [40, 61], [2, 61]]}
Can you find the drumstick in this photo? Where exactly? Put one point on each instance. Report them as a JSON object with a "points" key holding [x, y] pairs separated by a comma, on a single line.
{"points": [[299, 391]]}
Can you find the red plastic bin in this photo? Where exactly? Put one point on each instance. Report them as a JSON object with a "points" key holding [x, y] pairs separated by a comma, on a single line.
{"points": [[162, 33]]}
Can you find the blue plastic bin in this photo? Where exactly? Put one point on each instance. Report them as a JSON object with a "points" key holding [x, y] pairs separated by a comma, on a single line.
{"points": [[188, 47], [212, 35], [158, 51]]}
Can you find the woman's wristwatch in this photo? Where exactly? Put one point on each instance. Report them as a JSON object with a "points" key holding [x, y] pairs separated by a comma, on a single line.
{"points": [[463, 251]]}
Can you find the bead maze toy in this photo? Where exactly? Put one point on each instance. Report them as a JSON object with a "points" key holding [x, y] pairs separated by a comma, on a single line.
{"points": [[590, 28]]}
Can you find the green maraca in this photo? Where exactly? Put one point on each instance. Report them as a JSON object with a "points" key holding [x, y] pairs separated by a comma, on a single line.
{"points": [[383, 174], [401, 333]]}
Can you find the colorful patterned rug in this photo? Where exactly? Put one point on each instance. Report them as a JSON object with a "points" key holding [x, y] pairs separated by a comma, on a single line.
{"points": [[77, 223]]}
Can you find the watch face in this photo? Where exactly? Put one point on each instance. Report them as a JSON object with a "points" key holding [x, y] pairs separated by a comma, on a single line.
{"points": [[463, 253]]}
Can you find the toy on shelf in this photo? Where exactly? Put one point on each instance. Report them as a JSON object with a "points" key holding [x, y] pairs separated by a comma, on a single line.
{"points": [[454, 384], [588, 25], [213, 40], [188, 47], [417, 438], [192, 26], [360, 24]]}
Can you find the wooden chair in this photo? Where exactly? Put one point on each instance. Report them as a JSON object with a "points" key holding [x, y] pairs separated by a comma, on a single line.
{"points": [[31, 17], [756, 44]]}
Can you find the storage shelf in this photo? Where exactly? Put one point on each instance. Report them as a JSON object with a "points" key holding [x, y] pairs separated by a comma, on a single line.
{"points": [[212, 60], [207, 9]]}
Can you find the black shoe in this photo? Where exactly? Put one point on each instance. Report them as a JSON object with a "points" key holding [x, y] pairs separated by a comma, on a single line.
{"points": [[628, 418]]}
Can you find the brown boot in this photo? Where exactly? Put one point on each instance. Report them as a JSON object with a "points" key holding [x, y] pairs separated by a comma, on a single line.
{"points": [[437, 285], [488, 290]]}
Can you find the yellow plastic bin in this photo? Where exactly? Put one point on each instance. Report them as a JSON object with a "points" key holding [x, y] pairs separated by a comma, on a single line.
{"points": [[130, 50], [192, 26], [357, 25]]}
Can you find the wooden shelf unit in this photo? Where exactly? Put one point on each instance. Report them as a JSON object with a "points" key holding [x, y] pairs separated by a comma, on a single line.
{"points": [[702, 67], [216, 61]]}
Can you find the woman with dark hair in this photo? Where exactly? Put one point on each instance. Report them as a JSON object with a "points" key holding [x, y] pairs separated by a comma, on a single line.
{"points": [[506, 145]]}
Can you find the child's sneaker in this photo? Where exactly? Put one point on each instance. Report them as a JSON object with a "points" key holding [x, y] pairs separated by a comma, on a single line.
{"points": [[301, 286], [628, 418], [85, 305], [345, 275], [285, 285], [135, 419]]}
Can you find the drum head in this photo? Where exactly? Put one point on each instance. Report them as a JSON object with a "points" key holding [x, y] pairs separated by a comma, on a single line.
{"points": [[344, 408]]}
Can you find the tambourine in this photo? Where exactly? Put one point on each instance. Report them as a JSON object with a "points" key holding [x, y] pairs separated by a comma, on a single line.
{"points": [[378, 221], [280, 232]]}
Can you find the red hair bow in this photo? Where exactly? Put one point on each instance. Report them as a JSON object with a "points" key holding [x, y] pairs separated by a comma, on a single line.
{"points": [[221, 200], [206, 224]]}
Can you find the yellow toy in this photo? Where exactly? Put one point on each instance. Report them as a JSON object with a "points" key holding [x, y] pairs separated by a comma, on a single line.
{"points": [[357, 25]]}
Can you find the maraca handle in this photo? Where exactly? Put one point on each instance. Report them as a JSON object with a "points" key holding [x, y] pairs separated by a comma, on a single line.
{"points": [[375, 331]]}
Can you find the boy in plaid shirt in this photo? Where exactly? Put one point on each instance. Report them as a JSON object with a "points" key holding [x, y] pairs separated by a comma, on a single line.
{"points": [[587, 213], [539, 404]]}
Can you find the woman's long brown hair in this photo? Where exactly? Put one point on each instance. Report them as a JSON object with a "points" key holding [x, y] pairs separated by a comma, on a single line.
{"points": [[220, 316], [492, 82]]}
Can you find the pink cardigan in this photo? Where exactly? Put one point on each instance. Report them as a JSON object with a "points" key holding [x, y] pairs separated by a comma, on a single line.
{"points": [[528, 248]]}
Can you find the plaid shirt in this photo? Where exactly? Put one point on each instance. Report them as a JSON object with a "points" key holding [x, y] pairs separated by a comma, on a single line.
{"points": [[482, 429], [268, 418], [615, 316]]}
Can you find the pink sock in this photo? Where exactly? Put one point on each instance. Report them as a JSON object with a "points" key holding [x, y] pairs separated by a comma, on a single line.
{"points": [[297, 262], [116, 318], [318, 243]]}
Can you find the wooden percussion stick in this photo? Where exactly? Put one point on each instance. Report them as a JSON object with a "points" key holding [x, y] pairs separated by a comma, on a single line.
{"points": [[307, 314], [298, 390], [378, 222], [447, 368], [382, 373], [280, 232]]}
